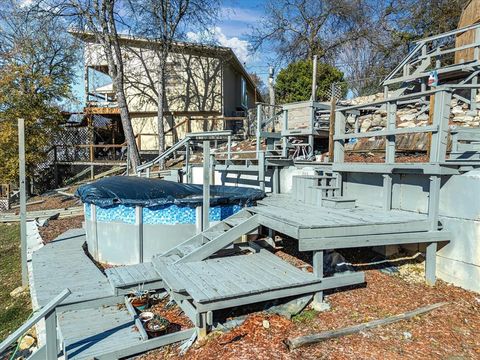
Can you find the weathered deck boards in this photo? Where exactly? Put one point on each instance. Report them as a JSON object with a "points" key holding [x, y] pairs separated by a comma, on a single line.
{"points": [[300, 220], [89, 333], [235, 276], [124, 278], [63, 264]]}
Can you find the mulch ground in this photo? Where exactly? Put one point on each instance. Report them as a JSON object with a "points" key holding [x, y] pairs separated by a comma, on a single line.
{"points": [[59, 226], [450, 332]]}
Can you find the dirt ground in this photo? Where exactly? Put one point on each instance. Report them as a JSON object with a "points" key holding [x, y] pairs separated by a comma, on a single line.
{"points": [[450, 332]]}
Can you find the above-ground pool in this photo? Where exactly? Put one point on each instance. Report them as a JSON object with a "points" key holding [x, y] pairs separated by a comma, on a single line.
{"points": [[130, 219]]}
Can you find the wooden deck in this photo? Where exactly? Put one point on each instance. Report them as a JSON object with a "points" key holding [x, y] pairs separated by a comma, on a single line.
{"points": [[244, 279], [63, 264], [92, 332], [301, 221], [124, 278]]}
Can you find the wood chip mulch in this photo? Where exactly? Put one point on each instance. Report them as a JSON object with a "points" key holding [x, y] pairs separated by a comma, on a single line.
{"points": [[59, 226], [450, 332], [177, 318]]}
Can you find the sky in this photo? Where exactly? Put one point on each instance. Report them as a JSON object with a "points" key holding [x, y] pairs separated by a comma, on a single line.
{"points": [[237, 17]]}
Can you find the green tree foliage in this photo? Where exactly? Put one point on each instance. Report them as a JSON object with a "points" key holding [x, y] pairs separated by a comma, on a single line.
{"points": [[36, 71], [294, 83]]}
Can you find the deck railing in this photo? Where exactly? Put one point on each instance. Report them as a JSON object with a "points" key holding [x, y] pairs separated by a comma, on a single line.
{"points": [[48, 351]]}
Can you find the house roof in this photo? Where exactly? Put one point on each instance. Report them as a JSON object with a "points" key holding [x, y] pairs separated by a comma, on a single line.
{"points": [[188, 47]]}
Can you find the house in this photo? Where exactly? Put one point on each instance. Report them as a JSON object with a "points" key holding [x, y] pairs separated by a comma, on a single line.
{"points": [[207, 88]]}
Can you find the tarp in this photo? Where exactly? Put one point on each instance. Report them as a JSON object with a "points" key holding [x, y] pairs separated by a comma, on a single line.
{"points": [[130, 190]]}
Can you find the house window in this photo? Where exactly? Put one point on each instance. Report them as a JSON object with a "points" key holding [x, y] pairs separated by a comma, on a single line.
{"points": [[244, 94]]}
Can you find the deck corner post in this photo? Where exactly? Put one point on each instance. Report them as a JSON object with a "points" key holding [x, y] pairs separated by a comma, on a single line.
{"points": [[139, 223], [51, 343], [317, 264], [431, 263]]}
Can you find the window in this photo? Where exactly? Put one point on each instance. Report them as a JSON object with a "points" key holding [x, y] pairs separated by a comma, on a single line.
{"points": [[243, 92]]}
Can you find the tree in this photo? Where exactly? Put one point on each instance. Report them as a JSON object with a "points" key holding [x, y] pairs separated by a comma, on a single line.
{"points": [[164, 22], [260, 85], [37, 62], [294, 83], [102, 18], [300, 29]]}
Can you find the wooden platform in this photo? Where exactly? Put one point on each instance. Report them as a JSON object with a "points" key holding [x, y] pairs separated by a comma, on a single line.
{"points": [[63, 264], [302, 221], [107, 332], [244, 279], [125, 278]]}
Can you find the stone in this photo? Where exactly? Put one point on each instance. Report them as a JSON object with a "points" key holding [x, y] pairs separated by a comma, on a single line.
{"points": [[366, 124], [351, 119], [406, 124], [407, 335], [422, 117], [266, 324], [407, 117], [27, 342], [17, 292], [457, 110], [377, 120], [321, 306], [463, 118]]}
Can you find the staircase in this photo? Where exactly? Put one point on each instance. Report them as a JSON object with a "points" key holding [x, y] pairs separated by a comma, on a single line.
{"points": [[215, 238]]}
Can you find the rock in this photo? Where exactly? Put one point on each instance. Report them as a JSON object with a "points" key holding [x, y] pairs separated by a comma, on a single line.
{"points": [[266, 324], [19, 291], [463, 118], [320, 307], [406, 124], [27, 342], [422, 117], [377, 120], [351, 119], [407, 335], [457, 110], [291, 308], [365, 125], [407, 117]]}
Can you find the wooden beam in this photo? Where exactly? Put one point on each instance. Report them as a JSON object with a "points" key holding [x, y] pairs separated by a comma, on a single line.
{"points": [[326, 335]]}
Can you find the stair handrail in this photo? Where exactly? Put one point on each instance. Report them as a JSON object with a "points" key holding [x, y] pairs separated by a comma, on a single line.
{"points": [[422, 42], [163, 155], [179, 144], [49, 313]]}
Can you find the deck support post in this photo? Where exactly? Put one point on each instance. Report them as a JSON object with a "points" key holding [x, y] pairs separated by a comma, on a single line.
{"points": [[431, 263], [206, 185], [202, 327], [51, 344], [188, 179], [261, 170], [284, 137], [387, 192], [317, 263], [139, 223], [276, 180]]}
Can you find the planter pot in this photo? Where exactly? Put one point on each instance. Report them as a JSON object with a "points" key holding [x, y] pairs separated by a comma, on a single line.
{"points": [[157, 326], [139, 303], [146, 316]]}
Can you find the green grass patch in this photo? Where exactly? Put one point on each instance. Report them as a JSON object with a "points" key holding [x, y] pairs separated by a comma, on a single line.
{"points": [[305, 316], [13, 311]]}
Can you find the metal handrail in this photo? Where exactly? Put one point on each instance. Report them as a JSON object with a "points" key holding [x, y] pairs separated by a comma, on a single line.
{"points": [[44, 312]]}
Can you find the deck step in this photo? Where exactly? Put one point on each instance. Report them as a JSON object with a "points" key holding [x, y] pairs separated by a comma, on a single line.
{"points": [[339, 202], [125, 278], [212, 235], [215, 238], [107, 332]]}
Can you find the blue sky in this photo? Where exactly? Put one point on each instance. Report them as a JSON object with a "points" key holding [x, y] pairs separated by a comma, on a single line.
{"points": [[236, 19]]}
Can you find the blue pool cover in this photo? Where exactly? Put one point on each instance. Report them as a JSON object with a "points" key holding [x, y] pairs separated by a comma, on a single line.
{"points": [[137, 191]]}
